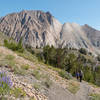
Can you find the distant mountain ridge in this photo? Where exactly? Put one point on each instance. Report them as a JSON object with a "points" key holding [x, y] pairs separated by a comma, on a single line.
{"points": [[39, 29]]}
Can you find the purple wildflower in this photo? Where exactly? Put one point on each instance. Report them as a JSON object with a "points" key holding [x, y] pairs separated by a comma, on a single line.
{"points": [[4, 79]]}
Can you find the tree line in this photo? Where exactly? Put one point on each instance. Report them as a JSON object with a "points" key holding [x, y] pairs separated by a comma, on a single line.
{"points": [[70, 62]]}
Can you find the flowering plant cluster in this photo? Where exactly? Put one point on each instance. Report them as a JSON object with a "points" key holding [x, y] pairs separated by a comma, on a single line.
{"points": [[5, 83]]}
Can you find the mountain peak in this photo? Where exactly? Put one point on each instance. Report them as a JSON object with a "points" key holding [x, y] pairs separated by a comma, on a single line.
{"points": [[39, 29]]}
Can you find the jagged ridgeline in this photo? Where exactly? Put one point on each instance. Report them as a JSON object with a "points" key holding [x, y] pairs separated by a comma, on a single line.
{"points": [[39, 29]]}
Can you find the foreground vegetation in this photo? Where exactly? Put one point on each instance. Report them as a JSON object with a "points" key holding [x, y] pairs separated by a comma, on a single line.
{"points": [[69, 60], [65, 62], [13, 46], [73, 86], [72, 61], [7, 89], [95, 96]]}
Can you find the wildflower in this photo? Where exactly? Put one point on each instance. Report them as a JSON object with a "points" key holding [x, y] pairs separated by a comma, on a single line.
{"points": [[5, 83]]}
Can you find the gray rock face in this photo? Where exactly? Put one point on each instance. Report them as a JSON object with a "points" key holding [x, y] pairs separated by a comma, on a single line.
{"points": [[36, 27], [93, 35], [39, 29], [74, 36]]}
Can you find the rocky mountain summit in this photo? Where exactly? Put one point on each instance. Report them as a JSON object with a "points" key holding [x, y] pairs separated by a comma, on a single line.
{"points": [[38, 29]]}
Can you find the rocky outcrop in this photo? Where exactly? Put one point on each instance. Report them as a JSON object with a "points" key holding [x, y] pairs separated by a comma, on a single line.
{"points": [[74, 36], [93, 35], [38, 29]]}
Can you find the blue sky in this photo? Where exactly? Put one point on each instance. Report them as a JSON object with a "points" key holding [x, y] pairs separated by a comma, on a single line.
{"points": [[78, 11]]}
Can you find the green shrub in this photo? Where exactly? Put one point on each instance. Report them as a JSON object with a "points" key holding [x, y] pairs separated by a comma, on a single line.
{"points": [[95, 96], [5, 42], [36, 74], [28, 56], [88, 74], [48, 83], [13, 46], [40, 56], [18, 92], [19, 71], [20, 50], [83, 51], [98, 57], [73, 87], [29, 49], [63, 74]]}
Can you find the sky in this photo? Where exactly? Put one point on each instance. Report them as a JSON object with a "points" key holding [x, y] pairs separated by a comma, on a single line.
{"points": [[77, 11]]}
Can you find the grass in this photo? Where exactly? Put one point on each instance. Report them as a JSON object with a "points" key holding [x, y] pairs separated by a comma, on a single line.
{"points": [[10, 63], [10, 57], [47, 81], [18, 92], [2, 37], [13, 65], [73, 87], [3, 98], [27, 55], [19, 71], [36, 86], [93, 85], [8, 60], [32, 98], [63, 74], [53, 68], [1, 55], [39, 68], [36, 74], [95, 96], [25, 67]]}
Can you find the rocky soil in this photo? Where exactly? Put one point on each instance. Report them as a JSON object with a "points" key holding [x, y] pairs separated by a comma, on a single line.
{"points": [[37, 87]]}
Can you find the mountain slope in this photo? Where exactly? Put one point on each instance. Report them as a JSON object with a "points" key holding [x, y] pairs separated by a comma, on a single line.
{"points": [[36, 27], [35, 87], [93, 35], [74, 36], [39, 29]]}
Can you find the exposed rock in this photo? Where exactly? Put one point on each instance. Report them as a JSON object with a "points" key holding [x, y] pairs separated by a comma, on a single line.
{"points": [[38, 29]]}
